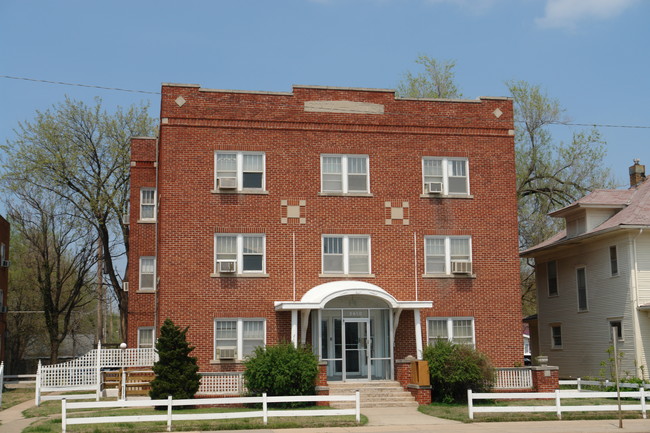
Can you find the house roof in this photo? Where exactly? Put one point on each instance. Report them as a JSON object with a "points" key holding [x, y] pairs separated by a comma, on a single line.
{"points": [[635, 213]]}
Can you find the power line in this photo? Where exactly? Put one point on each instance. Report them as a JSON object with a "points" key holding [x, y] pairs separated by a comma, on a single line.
{"points": [[78, 85], [599, 125]]}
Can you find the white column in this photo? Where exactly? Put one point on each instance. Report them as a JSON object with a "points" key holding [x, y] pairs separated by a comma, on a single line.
{"points": [[294, 327], [304, 323], [418, 333]]}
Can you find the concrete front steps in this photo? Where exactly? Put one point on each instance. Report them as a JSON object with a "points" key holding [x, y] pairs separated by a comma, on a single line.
{"points": [[376, 393]]}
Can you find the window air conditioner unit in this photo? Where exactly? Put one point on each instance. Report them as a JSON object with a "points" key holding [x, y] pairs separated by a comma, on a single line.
{"points": [[434, 187], [226, 353], [227, 183], [125, 286], [227, 266], [461, 267], [4, 264]]}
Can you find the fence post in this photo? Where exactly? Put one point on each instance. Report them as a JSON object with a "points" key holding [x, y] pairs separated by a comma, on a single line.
{"points": [[169, 413], [470, 405], [38, 384], [64, 417], [643, 407], [265, 415], [123, 385], [558, 407], [99, 370], [579, 384], [2, 379], [357, 405]]}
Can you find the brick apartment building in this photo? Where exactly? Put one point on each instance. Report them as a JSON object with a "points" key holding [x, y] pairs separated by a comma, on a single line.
{"points": [[360, 223], [4, 282]]}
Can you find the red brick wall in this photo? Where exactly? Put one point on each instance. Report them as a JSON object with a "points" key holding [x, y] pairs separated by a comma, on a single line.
{"points": [[293, 141]]}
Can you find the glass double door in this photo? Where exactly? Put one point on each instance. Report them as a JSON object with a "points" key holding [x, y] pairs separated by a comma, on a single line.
{"points": [[357, 344]]}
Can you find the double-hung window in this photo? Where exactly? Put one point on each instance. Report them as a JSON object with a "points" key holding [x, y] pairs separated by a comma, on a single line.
{"points": [[551, 278], [239, 171], [448, 255], [445, 176], [458, 330], [345, 174], [556, 336], [613, 261], [240, 253], [235, 339], [147, 273], [146, 338], [148, 204], [581, 281], [346, 254]]}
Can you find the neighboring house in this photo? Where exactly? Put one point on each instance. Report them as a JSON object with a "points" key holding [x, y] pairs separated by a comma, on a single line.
{"points": [[362, 224], [595, 276], [4, 282]]}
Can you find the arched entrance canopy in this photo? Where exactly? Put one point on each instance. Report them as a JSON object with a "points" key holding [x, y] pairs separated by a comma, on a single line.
{"points": [[317, 297]]}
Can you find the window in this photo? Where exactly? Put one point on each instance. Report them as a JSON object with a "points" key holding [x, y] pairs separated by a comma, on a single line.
{"points": [[556, 336], [448, 254], [581, 279], [147, 273], [343, 254], [345, 174], [613, 261], [237, 338], [148, 204], [146, 338], [239, 171], [451, 174], [459, 330], [618, 326], [246, 251], [551, 278], [2, 252]]}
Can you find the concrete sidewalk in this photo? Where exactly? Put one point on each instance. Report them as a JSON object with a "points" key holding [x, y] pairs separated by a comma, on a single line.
{"points": [[12, 419]]}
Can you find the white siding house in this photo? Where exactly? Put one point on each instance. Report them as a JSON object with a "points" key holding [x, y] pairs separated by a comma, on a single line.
{"points": [[593, 276]]}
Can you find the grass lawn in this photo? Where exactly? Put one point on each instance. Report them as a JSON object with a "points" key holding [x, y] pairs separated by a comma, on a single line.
{"points": [[13, 396], [54, 425], [459, 412]]}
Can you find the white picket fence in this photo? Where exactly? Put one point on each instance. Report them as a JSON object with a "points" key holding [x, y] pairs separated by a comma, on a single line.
{"points": [[513, 378], [579, 383], [84, 373], [169, 417], [558, 408]]}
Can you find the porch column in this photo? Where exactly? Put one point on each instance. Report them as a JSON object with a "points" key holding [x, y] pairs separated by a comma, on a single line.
{"points": [[294, 327], [304, 322], [418, 332]]}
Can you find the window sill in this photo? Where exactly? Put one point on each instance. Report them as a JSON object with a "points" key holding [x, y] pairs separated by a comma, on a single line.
{"points": [[459, 276], [145, 291], [233, 275], [147, 221], [346, 275], [243, 191], [461, 196], [229, 361], [345, 194]]}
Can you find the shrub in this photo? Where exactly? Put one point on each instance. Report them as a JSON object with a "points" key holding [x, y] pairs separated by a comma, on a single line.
{"points": [[176, 371], [281, 370], [455, 368]]}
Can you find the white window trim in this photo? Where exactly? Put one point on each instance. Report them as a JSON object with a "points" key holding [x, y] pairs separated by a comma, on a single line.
{"points": [[344, 174], [557, 281], [609, 250], [583, 310], [240, 171], [445, 176], [147, 289], [3, 251], [609, 324], [346, 255], [553, 345], [153, 335], [447, 253], [240, 253], [450, 327], [154, 204], [240, 333]]}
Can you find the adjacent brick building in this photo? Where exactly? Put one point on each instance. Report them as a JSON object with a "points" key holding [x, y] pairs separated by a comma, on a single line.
{"points": [[4, 282], [360, 223]]}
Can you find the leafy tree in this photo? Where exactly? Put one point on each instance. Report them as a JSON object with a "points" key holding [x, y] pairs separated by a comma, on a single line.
{"points": [[550, 174], [80, 153], [455, 368], [59, 253], [281, 370], [176, 371]]}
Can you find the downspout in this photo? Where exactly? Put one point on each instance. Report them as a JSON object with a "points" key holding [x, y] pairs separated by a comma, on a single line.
{"points": [[635, 312], [156, 261]]}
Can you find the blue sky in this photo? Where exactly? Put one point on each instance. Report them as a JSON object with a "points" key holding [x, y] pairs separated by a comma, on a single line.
{"points": [[589, 54]]}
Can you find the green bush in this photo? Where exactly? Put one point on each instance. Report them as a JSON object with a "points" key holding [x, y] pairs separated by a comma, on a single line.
{"points": [[455, 368], [281, 370], [176, 371]]}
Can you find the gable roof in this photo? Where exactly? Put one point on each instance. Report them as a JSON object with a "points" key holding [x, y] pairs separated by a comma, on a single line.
{"points": [[634, 213]]}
